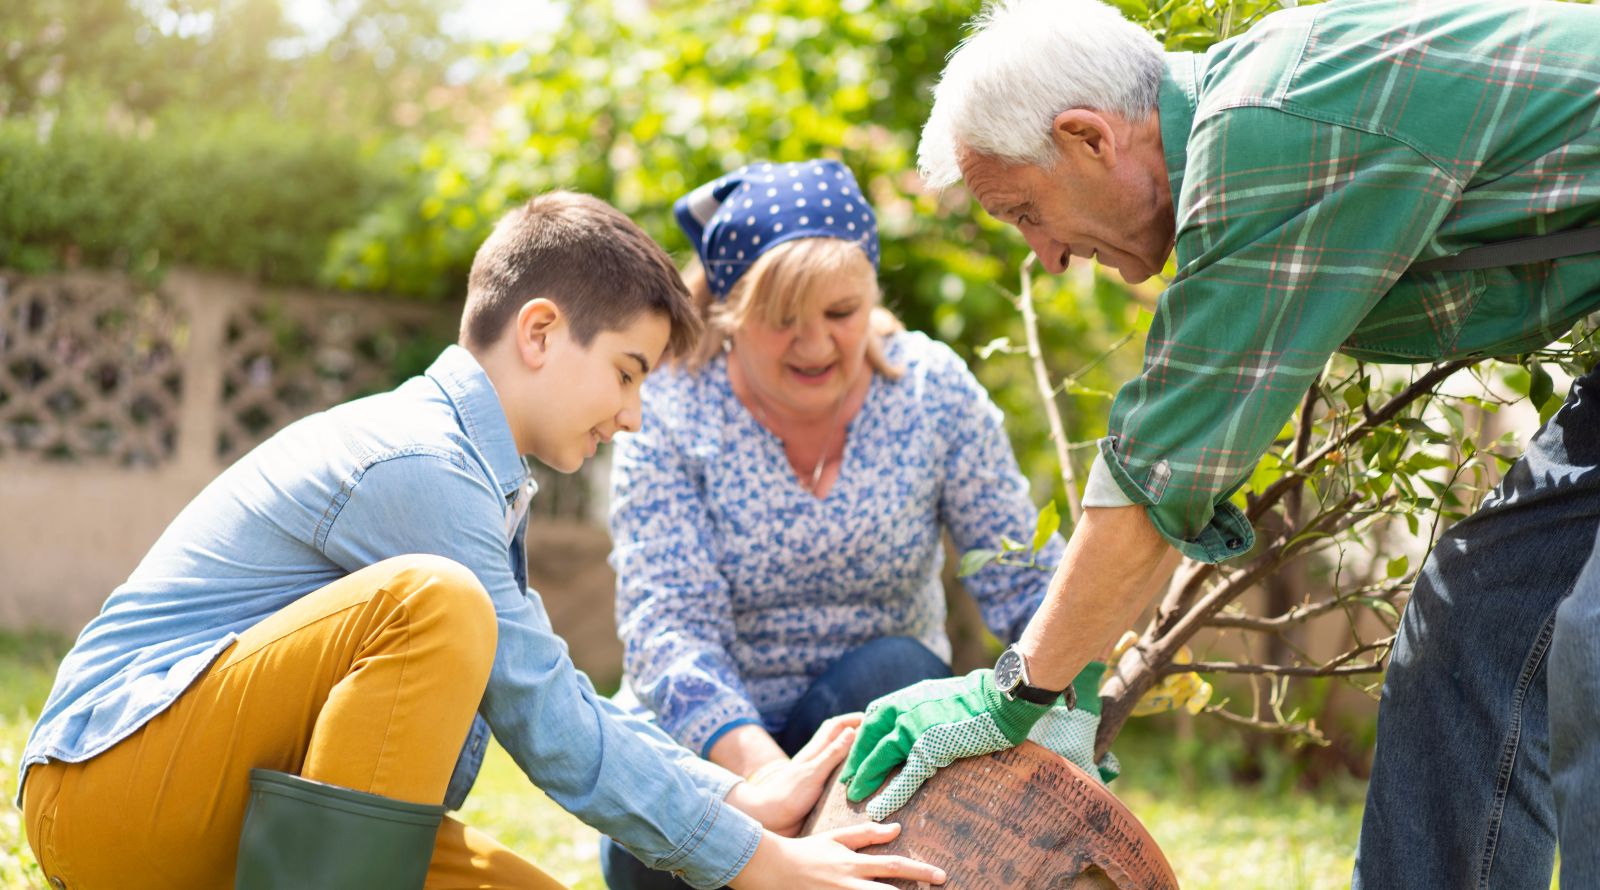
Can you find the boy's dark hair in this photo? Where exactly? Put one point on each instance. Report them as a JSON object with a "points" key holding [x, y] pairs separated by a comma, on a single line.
{"points": [[585, 256]]}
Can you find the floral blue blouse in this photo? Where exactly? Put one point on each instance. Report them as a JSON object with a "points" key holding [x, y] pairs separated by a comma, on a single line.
{"points": [[736, 587]]}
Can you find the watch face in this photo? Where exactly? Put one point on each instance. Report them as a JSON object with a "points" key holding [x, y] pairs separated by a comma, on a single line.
{"points": [[1008, 671]]}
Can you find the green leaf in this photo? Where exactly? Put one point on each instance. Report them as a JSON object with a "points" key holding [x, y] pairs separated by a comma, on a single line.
{"points": [[973, 561], [1049, 521], [1427, 433], [1398, 566], [1540, 386], [1549, 408], [1009, 546], [1518, 381], [998, 344], [1378, 604], [1452, 416]]}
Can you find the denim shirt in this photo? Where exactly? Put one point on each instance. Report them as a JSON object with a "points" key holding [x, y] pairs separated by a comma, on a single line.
{"points": [[428, 468]]}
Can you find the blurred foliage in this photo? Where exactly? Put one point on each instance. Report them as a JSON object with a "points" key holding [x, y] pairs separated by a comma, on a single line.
{"points": [[366, 61], [139, 133], [639, 106], [237, 194]]}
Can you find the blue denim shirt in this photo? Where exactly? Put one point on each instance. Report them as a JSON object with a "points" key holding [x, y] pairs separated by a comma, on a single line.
{"points": [[428, 468]]}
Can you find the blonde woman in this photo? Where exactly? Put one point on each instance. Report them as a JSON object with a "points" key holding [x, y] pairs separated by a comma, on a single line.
{"points": [[777, 521]]}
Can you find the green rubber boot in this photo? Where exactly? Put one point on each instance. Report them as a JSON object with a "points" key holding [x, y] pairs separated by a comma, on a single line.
{"points": [[309, 835]]}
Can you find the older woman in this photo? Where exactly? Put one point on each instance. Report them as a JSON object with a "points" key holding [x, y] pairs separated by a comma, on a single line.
{"points": [[777, 521]]}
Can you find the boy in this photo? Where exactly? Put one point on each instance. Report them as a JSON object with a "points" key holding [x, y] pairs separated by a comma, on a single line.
{"points": [[302, 674]]}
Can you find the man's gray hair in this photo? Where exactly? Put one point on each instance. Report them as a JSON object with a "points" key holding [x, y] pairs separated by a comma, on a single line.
{"points": [[1025, 62]]}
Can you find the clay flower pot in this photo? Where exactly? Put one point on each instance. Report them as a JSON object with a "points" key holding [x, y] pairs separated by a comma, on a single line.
{"points": [[1025, 818]]}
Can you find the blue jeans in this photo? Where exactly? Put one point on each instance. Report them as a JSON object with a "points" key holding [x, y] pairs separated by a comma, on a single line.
{"points": [[1489, 730], [849, 684]]}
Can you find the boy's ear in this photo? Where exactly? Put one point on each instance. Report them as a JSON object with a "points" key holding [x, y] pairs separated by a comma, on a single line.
{"points": [[536, 321]]}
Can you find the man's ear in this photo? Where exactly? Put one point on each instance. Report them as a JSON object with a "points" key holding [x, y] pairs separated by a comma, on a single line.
{"points": [[1085, 135], [536, 321]]}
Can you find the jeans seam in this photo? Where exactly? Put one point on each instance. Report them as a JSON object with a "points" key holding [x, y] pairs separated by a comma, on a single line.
{"points": [[1508, 753]]}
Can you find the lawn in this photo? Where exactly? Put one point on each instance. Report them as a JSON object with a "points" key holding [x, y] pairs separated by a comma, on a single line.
{"points": [[1216, 834]]}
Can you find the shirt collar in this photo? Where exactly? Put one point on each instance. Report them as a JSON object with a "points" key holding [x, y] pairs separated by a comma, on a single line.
{"points": [[463, 380], [1179, 97]]}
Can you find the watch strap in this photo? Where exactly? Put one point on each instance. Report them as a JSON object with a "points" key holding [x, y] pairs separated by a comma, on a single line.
{"points": [[1034, 694]]}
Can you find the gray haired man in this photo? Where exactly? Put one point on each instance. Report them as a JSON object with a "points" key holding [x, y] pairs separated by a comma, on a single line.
{"points": [[1303, 173]]}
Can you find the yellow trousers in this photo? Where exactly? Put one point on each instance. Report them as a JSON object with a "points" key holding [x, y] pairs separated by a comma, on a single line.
{"points": [[369, 683]]}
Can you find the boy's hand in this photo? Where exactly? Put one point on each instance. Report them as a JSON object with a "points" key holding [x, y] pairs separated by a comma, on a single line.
{"points": [[830, 860], [782, 794], [929, 726]]}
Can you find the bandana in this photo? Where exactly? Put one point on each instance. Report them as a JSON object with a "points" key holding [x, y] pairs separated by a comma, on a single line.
{"points": [[733, 220]]}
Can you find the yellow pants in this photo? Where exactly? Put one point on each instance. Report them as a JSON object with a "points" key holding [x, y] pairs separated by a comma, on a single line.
{"points": [[369, 683]]}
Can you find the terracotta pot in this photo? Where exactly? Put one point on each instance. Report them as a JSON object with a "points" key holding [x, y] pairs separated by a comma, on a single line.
{"points": [[1023, 818]]}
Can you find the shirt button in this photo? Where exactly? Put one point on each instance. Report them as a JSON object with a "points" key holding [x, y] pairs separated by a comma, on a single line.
{"points": [[1235, 543]]}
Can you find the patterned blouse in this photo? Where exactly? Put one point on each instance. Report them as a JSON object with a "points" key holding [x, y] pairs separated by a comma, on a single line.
{"points": [[737, 587]]}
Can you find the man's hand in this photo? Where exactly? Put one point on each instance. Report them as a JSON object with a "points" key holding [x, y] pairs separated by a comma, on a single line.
{"points": [[783, 793], [928, 726], [1070, 732], [830, 860]]}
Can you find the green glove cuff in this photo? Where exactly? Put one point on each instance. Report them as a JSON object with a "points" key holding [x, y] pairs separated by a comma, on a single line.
{"points": [[1013, 716], [1087, 687]]}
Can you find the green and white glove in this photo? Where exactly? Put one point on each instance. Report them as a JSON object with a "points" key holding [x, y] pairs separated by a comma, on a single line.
{"points": [[928, 726], [1070, 731]]}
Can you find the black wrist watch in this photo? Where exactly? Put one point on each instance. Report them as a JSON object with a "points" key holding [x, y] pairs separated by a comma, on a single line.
{"points": [[1011, 678]]}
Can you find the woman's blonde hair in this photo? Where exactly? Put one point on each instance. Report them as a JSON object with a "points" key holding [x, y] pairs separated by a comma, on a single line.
{"points": [[772, 290]]}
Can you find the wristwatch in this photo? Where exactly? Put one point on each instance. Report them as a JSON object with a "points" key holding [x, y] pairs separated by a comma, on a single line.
{"points": [[1011, 678]]}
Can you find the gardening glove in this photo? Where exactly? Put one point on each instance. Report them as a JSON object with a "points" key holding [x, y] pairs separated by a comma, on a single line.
{"points": [[1070, 732], [928, 726], [1187, 690]]}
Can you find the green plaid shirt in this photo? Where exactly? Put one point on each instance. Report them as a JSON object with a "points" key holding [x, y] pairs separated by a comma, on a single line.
{"points": [[1312, 160]]}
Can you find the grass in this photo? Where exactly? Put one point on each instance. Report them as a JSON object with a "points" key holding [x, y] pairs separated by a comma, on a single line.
{"points": [[1216, 834]]}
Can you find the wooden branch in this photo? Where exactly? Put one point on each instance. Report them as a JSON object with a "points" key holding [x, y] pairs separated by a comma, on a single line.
{"points": [[1145, 659], [1278, 670], [1302, 443], [1187, 583], [1302, 614], [1041, 378], [1297, 476], [1306, 730]]}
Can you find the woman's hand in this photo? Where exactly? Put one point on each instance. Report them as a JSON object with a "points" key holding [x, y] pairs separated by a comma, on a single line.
{"points": [[782, 794], [830, 859]]}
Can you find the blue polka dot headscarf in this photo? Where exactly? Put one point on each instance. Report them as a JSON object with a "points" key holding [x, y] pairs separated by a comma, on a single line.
{"points": [[733, 220]]}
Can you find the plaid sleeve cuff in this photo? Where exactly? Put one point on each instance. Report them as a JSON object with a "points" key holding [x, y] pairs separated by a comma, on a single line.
{"points": [[1225, 535]]}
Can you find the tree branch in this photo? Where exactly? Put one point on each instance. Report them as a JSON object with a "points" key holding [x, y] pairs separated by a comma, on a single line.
{"points": [[1041, 378], [1145, 659], [1297, 476], [1308, 730], [1302, 614], [1279, 670], [1302, 442]]}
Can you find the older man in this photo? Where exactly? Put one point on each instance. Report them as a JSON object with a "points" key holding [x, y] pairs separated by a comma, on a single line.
{"points": [[1302, 171]]}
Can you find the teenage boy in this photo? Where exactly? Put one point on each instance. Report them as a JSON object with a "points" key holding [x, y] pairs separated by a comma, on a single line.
{"points": [[302, 675]]}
